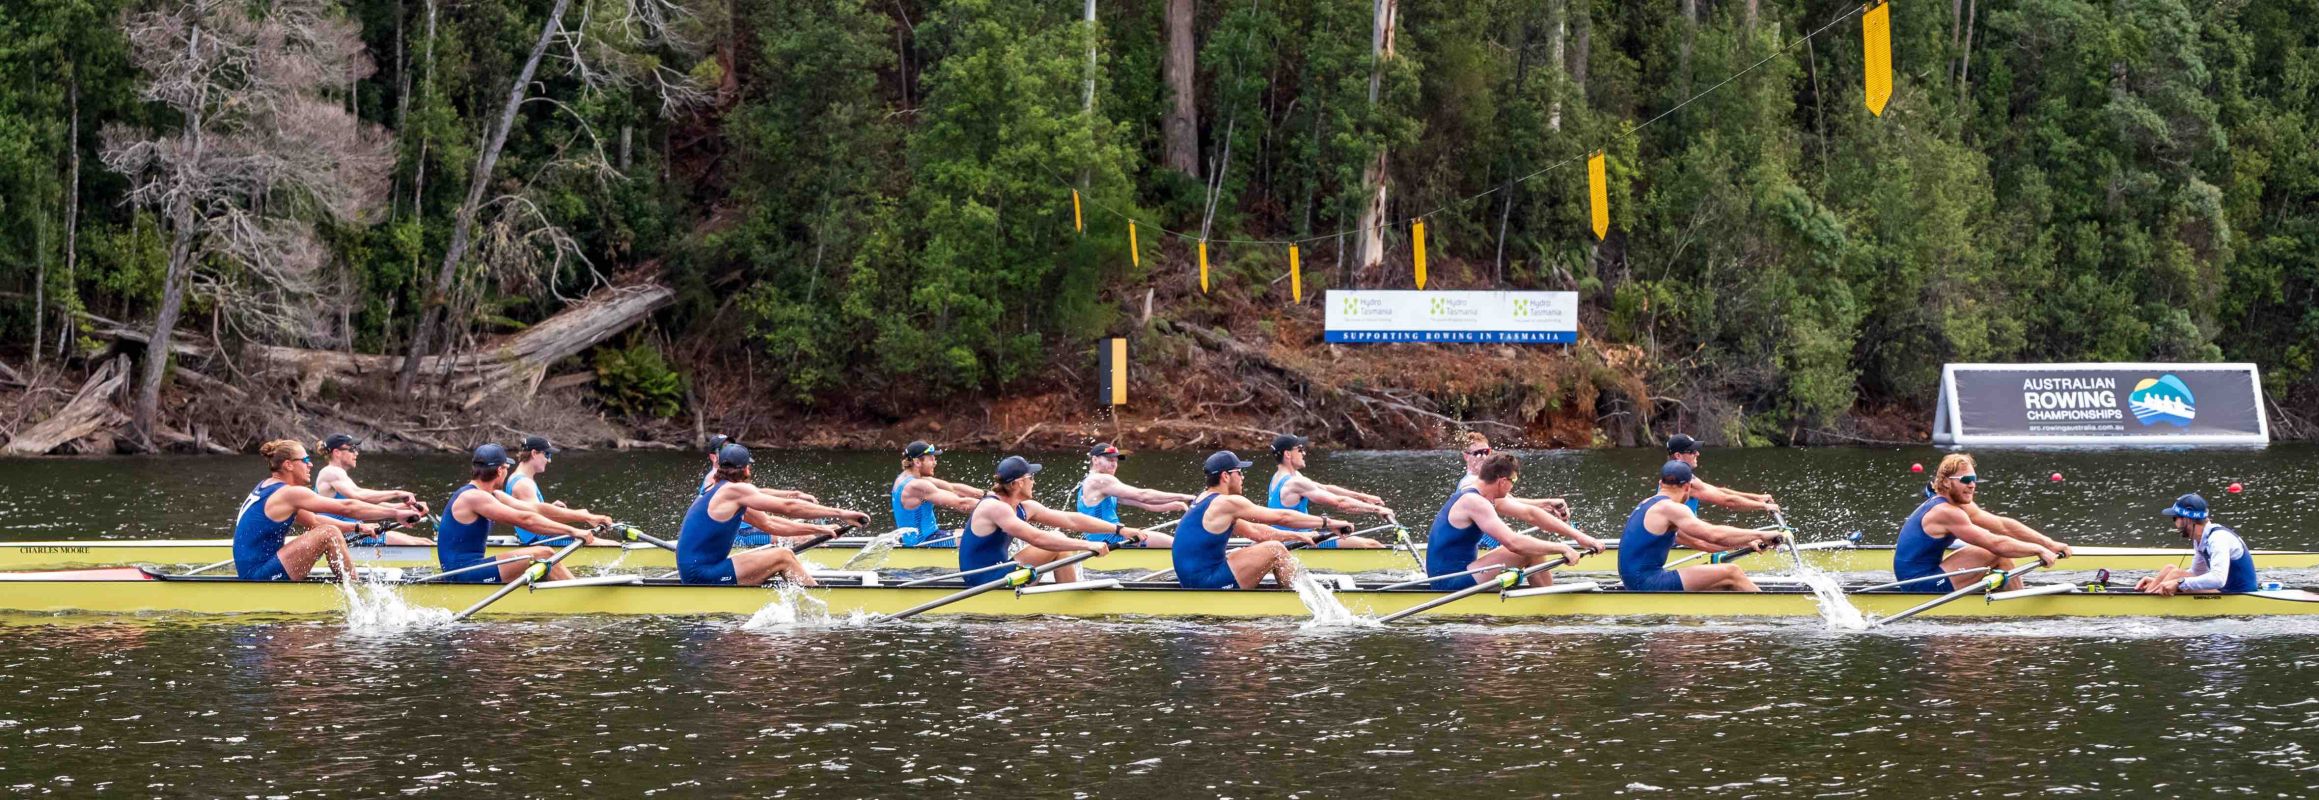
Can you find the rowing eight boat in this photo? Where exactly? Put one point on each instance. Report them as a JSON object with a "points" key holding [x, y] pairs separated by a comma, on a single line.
{"points": [[834, 555], [129, 590]]}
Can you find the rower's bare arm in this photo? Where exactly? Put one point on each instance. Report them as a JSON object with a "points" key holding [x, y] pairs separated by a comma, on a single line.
{"points": [[1476, 509], [1356, 494], [1146, 499], [562, 514], [304, 499], [955, 487], [1044, 539], [2008, 526], [1956, 522], [779, 527], [1067, 520], [942, 497], [1329, 496], [799, 509], [506, 510], [1721, 537]]}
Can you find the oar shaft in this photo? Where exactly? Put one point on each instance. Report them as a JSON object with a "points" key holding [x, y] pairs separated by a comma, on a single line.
{"points": [[971, 591], [1999, 579], [1973, 571], [1461, 594], [941, 578], [1432, 578], [522, 581], [467, 569]]}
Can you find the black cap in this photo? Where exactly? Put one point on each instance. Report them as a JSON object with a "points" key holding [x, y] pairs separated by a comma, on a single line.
{"points": [[340, 441], [491, 454], [1224, 461], [1106, 450], [2189, 506], [920, 449], [1016, 468], [1288, 441], [539, 444], [734, 455], [1675, 472], [717, 444], [1681, 443]]}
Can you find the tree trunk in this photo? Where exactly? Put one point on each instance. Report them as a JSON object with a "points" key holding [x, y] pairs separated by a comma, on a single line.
{"points": [[1182, 130], [72, 203], [1690, 30], [1371, 237], [463, 223], [1581, 50], [157, 344], [1089, 103], [1559, 11], [1965, 57], [1752, 11]]}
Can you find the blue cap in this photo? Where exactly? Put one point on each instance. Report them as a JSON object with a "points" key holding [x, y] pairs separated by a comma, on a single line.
{"points": [[1681, 443], [1224, 461], [920, 449], [2189, 506], [734, 455], [717, 443], [1016, 468], [1288, 441], [492, 455], [1675, 472]]}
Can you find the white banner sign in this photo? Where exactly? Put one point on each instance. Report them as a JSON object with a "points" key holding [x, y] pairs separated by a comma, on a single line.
{"points": [[2160, 404], [1365, 316]]}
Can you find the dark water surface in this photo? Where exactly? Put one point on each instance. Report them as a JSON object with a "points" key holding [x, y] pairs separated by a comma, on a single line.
{"points": [[1053, 708]]}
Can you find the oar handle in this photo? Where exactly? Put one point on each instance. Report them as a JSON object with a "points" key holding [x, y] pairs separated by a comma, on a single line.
{"points": [[1316, 541], [822, 539], [537, 570]]}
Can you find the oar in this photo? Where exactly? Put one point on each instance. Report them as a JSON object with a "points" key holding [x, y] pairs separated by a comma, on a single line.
{"points": [[1401, 540], [1506, 580], [631, 534], [467, 569], [1019, 578], [809, 544], [941, 578], [1973, 571], [1994, 581], [1292, 546], [538, 570], [383, 527]]}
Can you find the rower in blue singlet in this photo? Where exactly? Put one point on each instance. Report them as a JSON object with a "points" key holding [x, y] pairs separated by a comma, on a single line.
{"points": [[1916, 555], [1452, 546], [1103, 482], [1949, 533], [1007, 512], [2222, 564], [263, 547], [465, 528], [916, 492], [257, 537], [978, 549], [1651, 531], [523, 484], [704, 547], [1290, 452], [1203, 555], [462, 544], [1449, 548]]}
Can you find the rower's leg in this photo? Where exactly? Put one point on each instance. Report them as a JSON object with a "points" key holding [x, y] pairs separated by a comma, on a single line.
{"points": [[400, 539], [299, 554], [1033, 557], [1358, 543], [1506, 559], [1968, 557], [1250, 564], [1159, 540], [512, 570], [755, 568], [1716, 578]]}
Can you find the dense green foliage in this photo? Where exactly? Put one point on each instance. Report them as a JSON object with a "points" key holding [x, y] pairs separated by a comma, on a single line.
{"points": [[875, 205]]}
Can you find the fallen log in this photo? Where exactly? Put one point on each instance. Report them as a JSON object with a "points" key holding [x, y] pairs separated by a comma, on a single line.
{"points": [[90, 410]]}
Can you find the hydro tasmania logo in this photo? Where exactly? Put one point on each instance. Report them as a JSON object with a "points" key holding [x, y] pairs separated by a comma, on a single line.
{"points": [[2163, 399]]}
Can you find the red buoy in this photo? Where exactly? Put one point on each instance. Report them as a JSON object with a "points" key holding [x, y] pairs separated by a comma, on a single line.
{"points": [[2235, 489], [1916, 467], [2057, 477]]}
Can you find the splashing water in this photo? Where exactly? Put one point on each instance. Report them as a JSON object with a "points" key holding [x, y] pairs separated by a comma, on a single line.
{"points": [[1321, 600], [375, 609], [1835, 609], [874, 551], [790, 608]]}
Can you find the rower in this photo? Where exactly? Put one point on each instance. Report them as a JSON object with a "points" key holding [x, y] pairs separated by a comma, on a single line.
{"points": [[1551, 514], [2222, 564], [1291, 490], [523, 484], [1100, 494], [1452, 546], [1008, 512], [263, 548], [1681, 447], [916, 493], [704, 547], [1202, 558], [1664, 520], [463, 531], [339, 453], [1923, 551], [748, 536]]}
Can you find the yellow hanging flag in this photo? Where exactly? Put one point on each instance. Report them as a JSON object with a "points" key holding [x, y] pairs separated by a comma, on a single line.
{"points": [[1876, 50], [1078, 222], [1203, 266], [1417, 238], [1295, 276], [1134, 250], [1598, 194]]}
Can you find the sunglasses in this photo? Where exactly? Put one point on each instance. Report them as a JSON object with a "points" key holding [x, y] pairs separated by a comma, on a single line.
{"points": [[1967, 480], [1481, 452]]}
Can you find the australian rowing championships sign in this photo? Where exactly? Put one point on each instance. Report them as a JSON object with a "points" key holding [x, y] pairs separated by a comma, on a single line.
{"points": [[1381, 316], [2108, 404]]}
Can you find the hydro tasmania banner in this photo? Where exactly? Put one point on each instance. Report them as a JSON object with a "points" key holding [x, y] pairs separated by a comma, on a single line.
{"points": [[2161, 404], [1376, 316]]}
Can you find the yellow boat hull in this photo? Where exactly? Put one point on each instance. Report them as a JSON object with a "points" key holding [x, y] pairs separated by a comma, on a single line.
{"points": [[19, 556], [202, 596]]}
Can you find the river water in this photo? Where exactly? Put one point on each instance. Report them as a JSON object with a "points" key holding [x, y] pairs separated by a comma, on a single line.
{"points": [[1052, 708]]}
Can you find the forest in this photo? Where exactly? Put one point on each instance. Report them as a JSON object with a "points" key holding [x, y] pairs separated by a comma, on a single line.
{"points": [[856, 211]]}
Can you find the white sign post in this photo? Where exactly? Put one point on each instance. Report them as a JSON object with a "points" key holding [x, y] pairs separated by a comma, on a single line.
{"points": [[1384, 316]]}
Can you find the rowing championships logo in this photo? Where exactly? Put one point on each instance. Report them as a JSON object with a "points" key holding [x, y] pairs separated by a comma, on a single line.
{"points": [[2163, 399]]}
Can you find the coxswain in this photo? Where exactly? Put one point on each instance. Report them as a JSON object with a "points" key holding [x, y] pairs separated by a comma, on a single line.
{"points": [[339, 453], [264, 550], [1454, 544], [1101, 493], [1204, 558], [2221, 562], [1681, 447], [704, 547], [465, 528], [1923, 551], [1008, 512], [1292, 491], [1550, 514], [1664, 520], [748, 536], [916, 493]]}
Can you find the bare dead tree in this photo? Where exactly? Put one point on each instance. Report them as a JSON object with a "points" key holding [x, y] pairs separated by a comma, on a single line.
{"points": [[602, 52], [266, 147]]}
